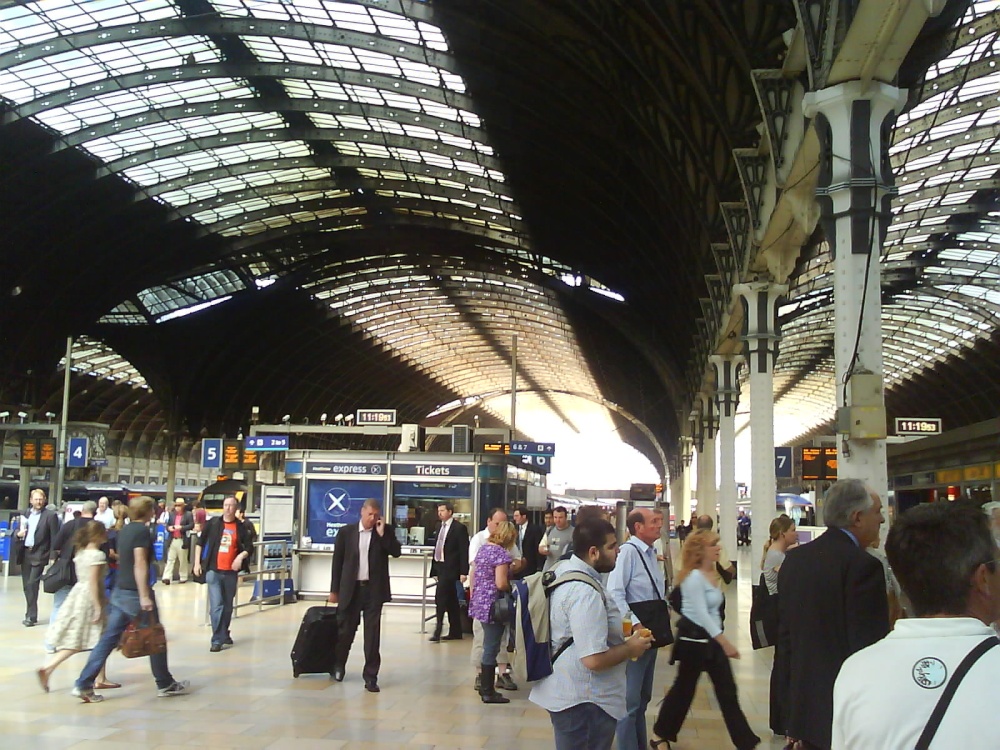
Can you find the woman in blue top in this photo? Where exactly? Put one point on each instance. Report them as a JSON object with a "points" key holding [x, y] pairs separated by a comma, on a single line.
{"points": [[710, 652], [489, 577]]}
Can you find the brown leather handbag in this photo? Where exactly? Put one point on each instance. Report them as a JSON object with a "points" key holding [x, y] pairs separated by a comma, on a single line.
{"points": [[144, 636]]}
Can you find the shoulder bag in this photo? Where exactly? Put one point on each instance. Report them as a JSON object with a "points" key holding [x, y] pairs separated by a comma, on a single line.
{"points": [[693, 643], [144, 636], [949, 692], [60, 574], [763, 616], [653, 613]]}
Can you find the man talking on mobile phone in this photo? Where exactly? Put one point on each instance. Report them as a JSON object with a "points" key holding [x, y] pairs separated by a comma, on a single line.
{"points": [[359, 585]]}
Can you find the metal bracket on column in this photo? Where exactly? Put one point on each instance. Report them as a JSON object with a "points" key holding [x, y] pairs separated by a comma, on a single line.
{"points": [[818, 20], [774, 96], [737, 219], [727, 383], [760, 322], [718, 292], [697, 431], [709, 416], [753, 175], [725, 261], [710, 322]]}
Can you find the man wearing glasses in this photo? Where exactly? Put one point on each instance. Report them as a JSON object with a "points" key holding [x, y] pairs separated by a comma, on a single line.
{"points": [[946, 561]]}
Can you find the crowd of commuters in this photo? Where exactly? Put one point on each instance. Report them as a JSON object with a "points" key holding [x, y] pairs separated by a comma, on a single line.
{"points": [[846, 672]]}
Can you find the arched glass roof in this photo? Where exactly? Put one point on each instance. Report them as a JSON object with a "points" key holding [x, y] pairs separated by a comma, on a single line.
{"points": [[941, 258], [260, 122]]}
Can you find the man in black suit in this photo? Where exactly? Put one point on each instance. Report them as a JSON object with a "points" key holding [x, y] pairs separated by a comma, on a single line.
{"points": [[529, 536], [832, 602], [35, 538], [359, 585], [451, 566]]}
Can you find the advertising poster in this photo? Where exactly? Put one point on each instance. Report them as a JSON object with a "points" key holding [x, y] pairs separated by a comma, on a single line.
{"points": [[334, 503]]}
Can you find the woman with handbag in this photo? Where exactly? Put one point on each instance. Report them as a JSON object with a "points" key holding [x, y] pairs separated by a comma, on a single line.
{"points": [[488, 580], [782, 536], [701, 646], [81, 618]]}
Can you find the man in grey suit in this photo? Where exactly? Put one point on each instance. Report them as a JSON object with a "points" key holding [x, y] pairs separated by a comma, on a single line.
{"points": [[359, 585]]}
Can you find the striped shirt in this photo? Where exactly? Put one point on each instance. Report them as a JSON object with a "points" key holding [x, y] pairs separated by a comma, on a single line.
{"points": [[629, 582]]}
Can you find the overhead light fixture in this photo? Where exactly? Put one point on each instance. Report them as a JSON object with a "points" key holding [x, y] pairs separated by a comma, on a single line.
{"points": [[338, 419], [322, 418], [4, 415], [50, 415], [254, 414], [286, 419], [349, 418], [22, 415]]}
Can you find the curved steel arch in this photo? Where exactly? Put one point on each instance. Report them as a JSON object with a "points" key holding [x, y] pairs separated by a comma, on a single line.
{"points": [[239, 70], [209, 26], [267, 104]]}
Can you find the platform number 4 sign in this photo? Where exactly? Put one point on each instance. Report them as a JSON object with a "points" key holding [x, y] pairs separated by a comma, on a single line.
{"points": [[77, 452]]}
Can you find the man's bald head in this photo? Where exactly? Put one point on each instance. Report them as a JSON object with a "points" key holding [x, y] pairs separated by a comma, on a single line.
{"points": [[704, 522]]}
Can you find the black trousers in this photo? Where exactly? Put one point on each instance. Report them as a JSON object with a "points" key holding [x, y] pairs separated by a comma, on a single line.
{"points": [[779, 683], [31, 577], [446, 600], [362, 603], [675, 706]]}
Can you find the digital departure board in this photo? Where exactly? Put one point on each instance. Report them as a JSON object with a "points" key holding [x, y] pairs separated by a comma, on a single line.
{"points": [[29, 451], [819, 464], [231, 450], [46, 451]]}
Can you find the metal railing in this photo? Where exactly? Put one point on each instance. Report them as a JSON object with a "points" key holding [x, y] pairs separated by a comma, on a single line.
{"points": [[261, 573]]}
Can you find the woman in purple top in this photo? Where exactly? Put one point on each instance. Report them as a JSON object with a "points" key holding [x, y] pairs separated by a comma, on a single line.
{"points": [[490, 577]]}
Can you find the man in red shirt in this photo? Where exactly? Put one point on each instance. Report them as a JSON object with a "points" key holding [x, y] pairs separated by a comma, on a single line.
{"points": [[179, 523], [223, 550]]}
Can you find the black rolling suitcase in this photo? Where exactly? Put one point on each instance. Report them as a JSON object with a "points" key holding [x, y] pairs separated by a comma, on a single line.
{"points": [[313, 651]]}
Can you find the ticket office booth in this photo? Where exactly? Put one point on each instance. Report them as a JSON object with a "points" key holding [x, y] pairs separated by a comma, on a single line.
{"points": [[332, 486]]}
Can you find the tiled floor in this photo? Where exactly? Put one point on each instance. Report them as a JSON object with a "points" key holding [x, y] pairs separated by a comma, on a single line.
{"points": [[246, 698]]}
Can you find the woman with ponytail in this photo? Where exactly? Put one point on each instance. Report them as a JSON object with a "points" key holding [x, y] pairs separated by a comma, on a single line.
{"points": [[782, 536]]}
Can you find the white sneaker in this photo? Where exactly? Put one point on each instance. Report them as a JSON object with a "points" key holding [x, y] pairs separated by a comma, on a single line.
{"points": [[178, 688], [87, 696]]}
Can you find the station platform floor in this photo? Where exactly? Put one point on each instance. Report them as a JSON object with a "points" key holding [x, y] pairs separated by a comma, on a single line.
{"points": [[246, 698]]}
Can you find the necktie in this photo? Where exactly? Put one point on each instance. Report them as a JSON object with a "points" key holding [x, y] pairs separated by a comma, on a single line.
{"points": [[439, 547]]}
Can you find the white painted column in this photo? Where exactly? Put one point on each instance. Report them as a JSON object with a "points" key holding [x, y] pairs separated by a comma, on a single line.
{"points": [[727, 398], [705, 445], [760, 316], [684, 512], [854, 191]]}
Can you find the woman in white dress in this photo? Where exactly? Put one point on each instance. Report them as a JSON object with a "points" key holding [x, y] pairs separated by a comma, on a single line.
{"points": [[81, 617]]}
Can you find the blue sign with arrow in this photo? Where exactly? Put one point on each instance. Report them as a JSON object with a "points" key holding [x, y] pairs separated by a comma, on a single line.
{"points": [[266, 443]]}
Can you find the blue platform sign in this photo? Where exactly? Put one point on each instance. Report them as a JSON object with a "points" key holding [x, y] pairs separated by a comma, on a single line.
{"points": [[266, 443], [77, 452], [532, 449], [211, 453], [783, 463]]}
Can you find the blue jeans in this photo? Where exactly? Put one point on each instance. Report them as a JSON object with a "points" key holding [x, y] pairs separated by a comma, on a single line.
{"points": [[221, 595], [123, 608], [492, 635], [583, 727], [631, 730], [57, 601]]}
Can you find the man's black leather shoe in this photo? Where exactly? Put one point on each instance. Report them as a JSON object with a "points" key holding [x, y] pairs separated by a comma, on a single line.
{"points": [[371, 686], [437, 635], [338, 674], [453, 637]]}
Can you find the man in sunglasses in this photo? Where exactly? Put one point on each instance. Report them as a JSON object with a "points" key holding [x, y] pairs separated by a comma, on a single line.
{"points": [[945, 559]]}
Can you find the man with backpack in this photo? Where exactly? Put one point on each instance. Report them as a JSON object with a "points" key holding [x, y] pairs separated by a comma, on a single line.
{"points": [[585, 694]]}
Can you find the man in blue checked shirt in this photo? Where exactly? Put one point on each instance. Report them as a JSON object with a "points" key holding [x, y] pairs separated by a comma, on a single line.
{"points": [[630, 582]]}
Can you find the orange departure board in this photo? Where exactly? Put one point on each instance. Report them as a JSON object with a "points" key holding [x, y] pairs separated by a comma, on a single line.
{"points": [[46, 451], [231, 450], [29, 451]]}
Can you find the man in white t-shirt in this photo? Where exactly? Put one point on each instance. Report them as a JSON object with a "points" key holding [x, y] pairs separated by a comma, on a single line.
{"points": [[496, 517], [104, 513], [558, 540], [946, 561]]}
